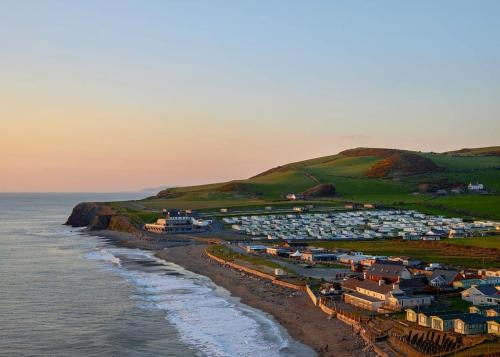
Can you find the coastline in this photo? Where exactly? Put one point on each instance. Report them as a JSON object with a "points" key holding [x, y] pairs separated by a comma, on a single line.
{"points": [[292, 310]]}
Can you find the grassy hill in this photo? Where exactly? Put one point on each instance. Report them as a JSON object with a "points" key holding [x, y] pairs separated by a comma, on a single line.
{"points": [[391, 177]]}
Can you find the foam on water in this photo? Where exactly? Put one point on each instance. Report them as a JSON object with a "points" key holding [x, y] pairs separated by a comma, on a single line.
{"points": [[206, 317], [104, 255]]}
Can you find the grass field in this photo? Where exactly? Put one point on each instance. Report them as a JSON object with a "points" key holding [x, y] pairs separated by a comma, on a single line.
{"points": [[469, 252], [256, 262], [347, 172]]}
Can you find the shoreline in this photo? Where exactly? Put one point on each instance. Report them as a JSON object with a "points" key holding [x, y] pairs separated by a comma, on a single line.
{"points": [[292, 310]]}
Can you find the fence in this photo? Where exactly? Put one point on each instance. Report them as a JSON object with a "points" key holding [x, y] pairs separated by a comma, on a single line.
{"points": [[312, 295], [254, 272]]}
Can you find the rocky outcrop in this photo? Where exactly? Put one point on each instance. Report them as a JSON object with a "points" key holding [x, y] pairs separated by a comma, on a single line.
{"points": [[100, 216]]}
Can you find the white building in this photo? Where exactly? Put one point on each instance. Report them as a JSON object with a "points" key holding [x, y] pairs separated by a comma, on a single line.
{"points": [[475, 186], [482, 294]]}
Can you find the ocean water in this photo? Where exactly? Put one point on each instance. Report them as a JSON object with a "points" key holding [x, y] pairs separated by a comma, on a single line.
{"points": [[66, 293]]}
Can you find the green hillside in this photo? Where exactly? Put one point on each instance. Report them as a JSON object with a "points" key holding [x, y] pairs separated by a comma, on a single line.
{"points": [[389, 177]]}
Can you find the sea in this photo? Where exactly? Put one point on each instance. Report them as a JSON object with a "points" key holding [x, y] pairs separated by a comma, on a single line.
{"points": [[66, 293]]}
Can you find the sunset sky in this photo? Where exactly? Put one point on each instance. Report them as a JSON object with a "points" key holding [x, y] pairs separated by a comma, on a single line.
{"points": [[122, 95]]}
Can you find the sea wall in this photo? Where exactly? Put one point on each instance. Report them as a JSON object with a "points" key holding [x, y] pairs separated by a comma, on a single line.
{"points": [[312, 295], [254, 272]]}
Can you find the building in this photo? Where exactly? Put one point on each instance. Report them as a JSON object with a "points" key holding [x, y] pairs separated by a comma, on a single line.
{"points": [[255, 248], [457, 233], [445, 321], [476, 186], [467, 283], [430, 235], [365, 294], [278, 251], [318, 256], [444, 279], [424, 319], [411, 315], [493, 327], [174, 223], [490, 311], [422, 315], [489, 273], [369, 295], [473, 324], [482, 294], [389, 272], [415, 285]]}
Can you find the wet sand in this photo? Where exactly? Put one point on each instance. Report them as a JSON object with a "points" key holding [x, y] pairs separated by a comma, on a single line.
{"points": [[293, 310]]}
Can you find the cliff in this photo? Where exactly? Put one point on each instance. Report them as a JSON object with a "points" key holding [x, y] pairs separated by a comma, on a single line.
{"points": [[100, 216]]}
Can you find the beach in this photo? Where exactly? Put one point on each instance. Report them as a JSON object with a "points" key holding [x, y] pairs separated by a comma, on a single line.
{"points": [[293, 310]]}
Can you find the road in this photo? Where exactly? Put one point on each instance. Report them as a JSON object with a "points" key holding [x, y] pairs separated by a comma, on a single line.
{"points": [[317, 273]]}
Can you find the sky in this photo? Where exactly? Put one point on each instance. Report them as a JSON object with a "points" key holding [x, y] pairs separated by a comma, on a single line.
{"points": [[121, 95]]}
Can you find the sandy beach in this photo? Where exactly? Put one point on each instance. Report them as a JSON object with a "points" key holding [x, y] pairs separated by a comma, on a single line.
{"points": [[293, 310]]}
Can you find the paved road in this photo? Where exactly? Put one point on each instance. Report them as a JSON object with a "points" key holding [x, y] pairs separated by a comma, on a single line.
{"points": [[318, 273]]}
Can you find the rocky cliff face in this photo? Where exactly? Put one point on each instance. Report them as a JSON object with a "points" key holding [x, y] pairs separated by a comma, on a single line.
{"points": [[100, 216]]}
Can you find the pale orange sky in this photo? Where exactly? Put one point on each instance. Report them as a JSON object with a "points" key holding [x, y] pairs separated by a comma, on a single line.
{"points": [[114, 96]]}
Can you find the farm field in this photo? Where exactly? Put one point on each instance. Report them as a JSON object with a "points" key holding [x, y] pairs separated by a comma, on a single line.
{"points": [[483, 252], [363, 175]]}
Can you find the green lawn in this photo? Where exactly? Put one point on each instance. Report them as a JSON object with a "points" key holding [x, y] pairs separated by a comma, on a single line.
{"points": [[342, 166], [480, 242], [455, 303], [474, 205], [229, 255], [455, 163], [469, 252]]}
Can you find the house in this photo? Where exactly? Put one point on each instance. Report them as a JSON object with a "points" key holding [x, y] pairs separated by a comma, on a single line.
{"points": [[177, 224], [296, 255], [445, 321], [424, 319], [490, 311], [389, 272], [476, 186], [411, 237], [489, 273], [473, 324], [457, 233], [365, 294], [411, 315], [443, 279], [368, 205], [255, 248], [413, 285], [482, 294], [369, 295], [278, 251], [398, 300], [430, 235], [467, 283], [493, 327], [318, 256]]}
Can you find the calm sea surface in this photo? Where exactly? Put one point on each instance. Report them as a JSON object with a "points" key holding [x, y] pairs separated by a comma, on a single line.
{"points": [[65, 293]]}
